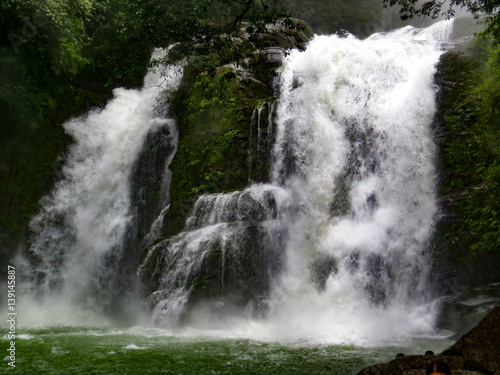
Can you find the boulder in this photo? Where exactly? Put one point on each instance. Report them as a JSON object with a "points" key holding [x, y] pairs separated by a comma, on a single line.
{"points": [[463, 311], [476, 353], [481, 344]]}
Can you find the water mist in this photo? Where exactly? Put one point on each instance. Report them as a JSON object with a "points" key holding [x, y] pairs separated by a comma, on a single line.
{"points": [[78, 236]]}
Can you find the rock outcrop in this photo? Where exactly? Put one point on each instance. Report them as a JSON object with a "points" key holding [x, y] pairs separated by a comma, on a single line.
{"points": [[482, 344], [476, 353], [461, 312], [226, 133]]}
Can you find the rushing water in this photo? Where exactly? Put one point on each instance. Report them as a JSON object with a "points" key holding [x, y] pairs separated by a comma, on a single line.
{"points": [[327, 258], [355, 149], [79, 234], [345, 224]]}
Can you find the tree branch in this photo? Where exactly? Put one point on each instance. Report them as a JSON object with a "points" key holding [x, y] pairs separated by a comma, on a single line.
{"points": [[240, 17]]}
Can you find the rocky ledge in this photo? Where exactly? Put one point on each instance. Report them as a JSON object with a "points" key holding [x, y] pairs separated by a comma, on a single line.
{"points": [[476, 353]]}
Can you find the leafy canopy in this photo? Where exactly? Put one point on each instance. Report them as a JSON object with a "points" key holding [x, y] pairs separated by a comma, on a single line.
{"points": [[488, 10], [226, 30]]}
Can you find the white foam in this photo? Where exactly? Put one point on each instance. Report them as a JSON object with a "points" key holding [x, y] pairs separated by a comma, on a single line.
{"points": [[354, 120], [133, 347], [83, 221]]}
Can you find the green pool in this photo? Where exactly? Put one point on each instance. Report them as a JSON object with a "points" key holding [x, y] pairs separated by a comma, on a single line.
{"points": [[138, 350]]}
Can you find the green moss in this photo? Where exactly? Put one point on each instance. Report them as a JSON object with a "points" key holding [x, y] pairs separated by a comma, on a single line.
{"points": [[470, 152], [214, 116]]}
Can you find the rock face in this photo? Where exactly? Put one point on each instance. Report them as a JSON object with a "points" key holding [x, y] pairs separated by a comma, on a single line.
{"points": [[215, 240], [476, 353], [461, 312], [481, 344], [465, 252]]}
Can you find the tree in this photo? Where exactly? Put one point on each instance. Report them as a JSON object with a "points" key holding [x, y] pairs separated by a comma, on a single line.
{"points": [[224, 31], [328, 17], [487, 10]]}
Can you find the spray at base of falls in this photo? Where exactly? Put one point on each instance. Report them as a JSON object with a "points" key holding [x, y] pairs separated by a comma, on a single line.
{"points": [[72, 267]]}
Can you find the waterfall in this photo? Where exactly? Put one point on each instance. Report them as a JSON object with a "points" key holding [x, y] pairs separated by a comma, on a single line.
{"points": [[352, 202], [79, 234], [261, 134], [270, 130], [228, 252], [355, 150], [332, 245]]}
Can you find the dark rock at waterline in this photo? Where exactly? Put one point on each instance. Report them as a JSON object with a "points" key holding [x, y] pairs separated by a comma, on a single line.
{"points": [[462, 311], [228, 272], [482, 343], [416, 365], [476, 353]]}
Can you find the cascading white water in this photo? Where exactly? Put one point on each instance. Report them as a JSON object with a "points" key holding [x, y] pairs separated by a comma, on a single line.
{"points": [[354, 173], [260, 140], [355, 149], [340, 233], [353, 202], [228, 229], [78, 234]]}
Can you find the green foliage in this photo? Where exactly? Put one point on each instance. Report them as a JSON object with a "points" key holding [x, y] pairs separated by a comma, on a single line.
{"points": [[61, 57], [219, 31], [54, 31], [56, 57], [213, 115], [471, 149], [486, 10]]}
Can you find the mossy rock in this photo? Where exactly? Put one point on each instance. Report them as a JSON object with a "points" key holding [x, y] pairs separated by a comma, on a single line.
{"points": [[214, 115], [175, 218], [467, 238]]}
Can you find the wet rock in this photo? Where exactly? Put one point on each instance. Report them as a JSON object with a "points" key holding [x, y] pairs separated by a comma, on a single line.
{"points": [[461, 312], [227, 263], [481, 344], [416, 364], [476, 353]]}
